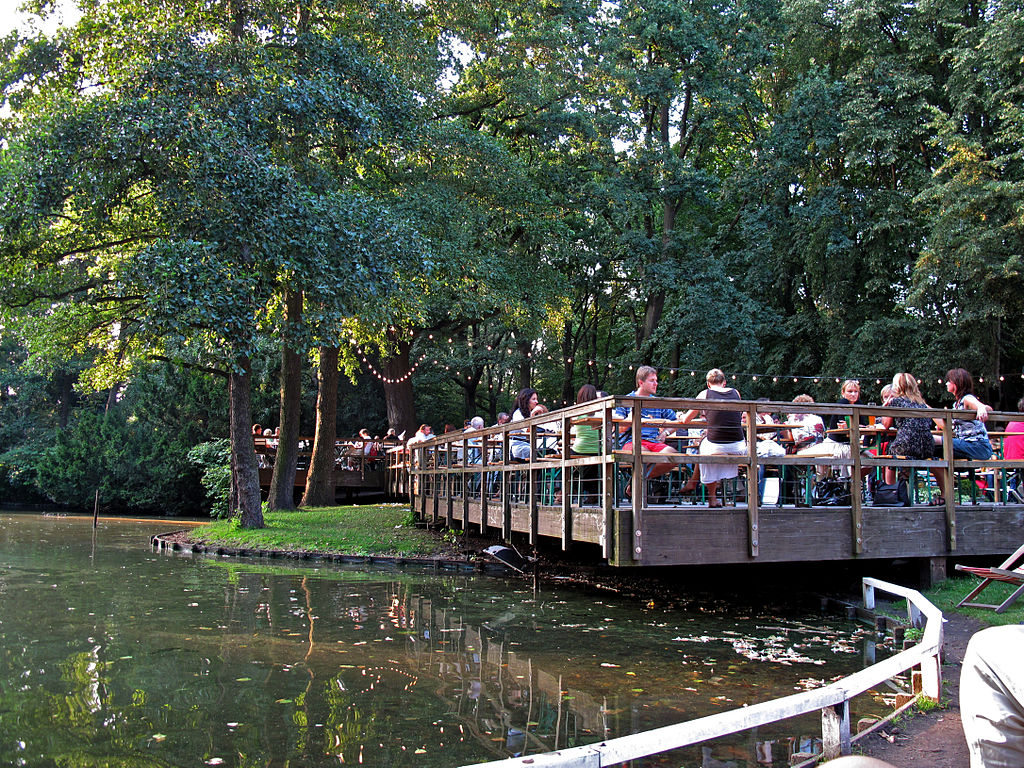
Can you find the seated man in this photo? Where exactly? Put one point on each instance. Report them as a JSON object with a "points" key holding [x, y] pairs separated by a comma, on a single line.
{"points": [[651, 438]]}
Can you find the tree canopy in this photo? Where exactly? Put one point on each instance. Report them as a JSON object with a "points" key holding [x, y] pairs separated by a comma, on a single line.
{"points": [[467, 198]]}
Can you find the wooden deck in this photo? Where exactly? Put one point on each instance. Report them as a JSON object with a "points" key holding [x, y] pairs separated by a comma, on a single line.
{"points": [[526, 500], [354, 470]]}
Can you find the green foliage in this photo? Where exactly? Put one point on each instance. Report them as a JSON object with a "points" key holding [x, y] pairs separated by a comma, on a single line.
{"points": [[779, 186], [214, 462], [134, 466]]}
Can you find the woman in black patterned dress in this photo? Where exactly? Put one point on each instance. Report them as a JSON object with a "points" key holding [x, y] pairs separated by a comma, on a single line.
{"points": [[913, 435]]}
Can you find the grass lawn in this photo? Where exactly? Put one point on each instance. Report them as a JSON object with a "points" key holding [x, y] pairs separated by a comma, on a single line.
{"points": [[946, 594], [378, 529]]}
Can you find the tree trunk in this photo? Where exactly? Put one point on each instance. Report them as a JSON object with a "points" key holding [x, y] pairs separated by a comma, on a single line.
{"points": [[398, 393], [652, 316], [320, 478], [568, 364], [282, 484], [525, 365], [244, 469], [66, 388]]}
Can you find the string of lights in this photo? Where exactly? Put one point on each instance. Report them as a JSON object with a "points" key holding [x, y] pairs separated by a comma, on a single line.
{"points": [[775, 378]]}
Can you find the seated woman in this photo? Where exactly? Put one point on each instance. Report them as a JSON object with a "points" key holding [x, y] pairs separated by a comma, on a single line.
{"points": [[524, 406], [586, 441], [724, 436], [913, 435], [970, 437], [839, 442], [586, 438]]}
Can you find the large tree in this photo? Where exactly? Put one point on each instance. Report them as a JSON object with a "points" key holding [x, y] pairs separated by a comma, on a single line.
{"points": [[154, 200]]}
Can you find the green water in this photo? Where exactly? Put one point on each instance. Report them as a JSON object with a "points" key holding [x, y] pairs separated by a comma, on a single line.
{"points": [[114, 655]]}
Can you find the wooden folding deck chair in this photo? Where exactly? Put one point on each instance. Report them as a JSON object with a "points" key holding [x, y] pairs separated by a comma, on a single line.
{"points": [[1009, 571]]}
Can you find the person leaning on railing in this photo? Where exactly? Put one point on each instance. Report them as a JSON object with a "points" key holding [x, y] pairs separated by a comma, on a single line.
{"points": [[970, 437]]}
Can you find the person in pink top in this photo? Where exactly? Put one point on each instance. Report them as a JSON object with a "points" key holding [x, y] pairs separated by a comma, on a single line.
{"points": [[1013, 450], [1013, 444]]}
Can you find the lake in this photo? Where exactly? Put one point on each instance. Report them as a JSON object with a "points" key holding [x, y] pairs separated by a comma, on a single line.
{"points": [[112, 654]]}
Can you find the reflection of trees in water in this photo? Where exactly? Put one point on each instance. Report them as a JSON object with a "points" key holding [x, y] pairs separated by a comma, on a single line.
{"points": [[80, 725], [266, 668]]}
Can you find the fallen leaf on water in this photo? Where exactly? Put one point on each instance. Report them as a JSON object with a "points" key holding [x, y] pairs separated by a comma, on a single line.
{"points": [[607, 664]]}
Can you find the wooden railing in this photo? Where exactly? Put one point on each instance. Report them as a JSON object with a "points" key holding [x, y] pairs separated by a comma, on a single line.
{"points": [[833, 701], [459, 469]]}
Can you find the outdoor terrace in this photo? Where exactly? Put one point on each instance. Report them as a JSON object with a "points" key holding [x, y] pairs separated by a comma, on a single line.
{"points": [[469, 479]]}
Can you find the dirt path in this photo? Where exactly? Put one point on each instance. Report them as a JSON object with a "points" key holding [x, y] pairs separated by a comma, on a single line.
{"points": [[931, 739]]}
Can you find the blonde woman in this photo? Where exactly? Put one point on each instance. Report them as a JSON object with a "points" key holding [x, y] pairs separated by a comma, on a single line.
{"points": [[913, 435]]}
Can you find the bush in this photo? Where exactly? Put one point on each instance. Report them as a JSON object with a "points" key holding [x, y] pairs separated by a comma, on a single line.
{"points": [[136, 467], [214, 462]]}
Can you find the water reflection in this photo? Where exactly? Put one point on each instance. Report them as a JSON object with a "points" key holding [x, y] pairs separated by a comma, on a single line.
{"points": [[114, 655]]}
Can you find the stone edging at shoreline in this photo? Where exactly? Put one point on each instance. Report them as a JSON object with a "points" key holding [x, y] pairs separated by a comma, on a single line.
{"points": [[169, 542]]}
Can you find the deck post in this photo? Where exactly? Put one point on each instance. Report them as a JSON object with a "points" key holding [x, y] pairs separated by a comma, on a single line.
{"points": [[506, 499], [484, 451], [436, 485], [566, 485], [464, 477], [608, 482], [950, 492], [637, 500], [835, 730], [449, 486], [532, 474], [856, 483], [753, 498]]}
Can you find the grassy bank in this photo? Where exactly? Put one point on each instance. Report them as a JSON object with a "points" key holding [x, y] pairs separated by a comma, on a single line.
{"points": [[384, 529], [946, 594]]}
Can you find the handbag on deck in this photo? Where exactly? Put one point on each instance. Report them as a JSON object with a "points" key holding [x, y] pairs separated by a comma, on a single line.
{"points": [[895, 495], [830, 493]]}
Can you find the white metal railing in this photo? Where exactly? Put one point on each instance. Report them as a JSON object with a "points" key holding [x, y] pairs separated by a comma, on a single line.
{"points": [[833, 701]]}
